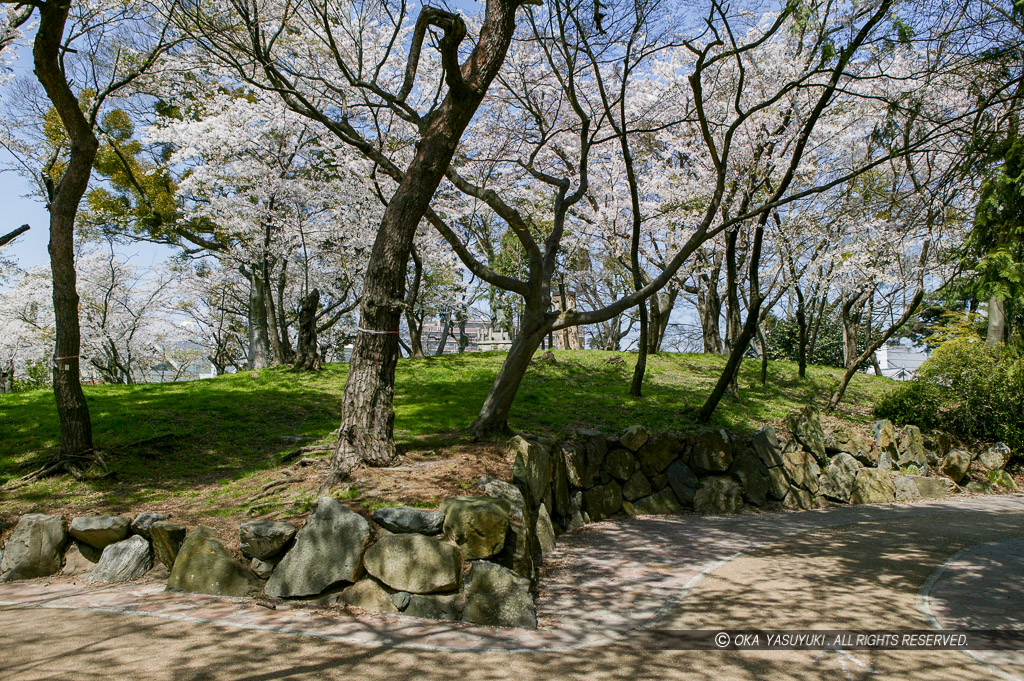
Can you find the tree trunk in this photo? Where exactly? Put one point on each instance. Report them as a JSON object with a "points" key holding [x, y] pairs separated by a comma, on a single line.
{"points": [[7, 378], [740, 343], [259, 336], [415, 336], [367, 421], [851, 369], [709, 308], [636, 385], [801, 321], [463, 338], [819, 315], [732, 367], [764, 356], [662, 305], [493, 418], [273, 331], [282, 317], [72, 410], [307, 358], [733, 319], [850, 315], [996, 322], [443, 340], [415, 324]]}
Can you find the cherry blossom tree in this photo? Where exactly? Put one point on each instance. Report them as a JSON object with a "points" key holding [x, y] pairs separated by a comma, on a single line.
{"points": [[736, 105], [292, 213], [341, 64]]}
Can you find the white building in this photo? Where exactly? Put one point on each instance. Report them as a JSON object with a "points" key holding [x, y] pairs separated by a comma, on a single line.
{"points": [[900, 362]]}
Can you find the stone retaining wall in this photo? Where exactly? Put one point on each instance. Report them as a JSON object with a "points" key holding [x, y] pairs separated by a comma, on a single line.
{"points": [[450, 564], [477, 557]]}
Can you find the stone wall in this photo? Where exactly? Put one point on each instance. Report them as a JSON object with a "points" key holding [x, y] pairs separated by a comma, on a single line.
{"points": [[592, 475], [449, 564], [476, 558]]}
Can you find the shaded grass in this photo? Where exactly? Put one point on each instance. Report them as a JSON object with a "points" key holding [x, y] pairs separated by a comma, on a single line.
{"points": [[211, 442]]}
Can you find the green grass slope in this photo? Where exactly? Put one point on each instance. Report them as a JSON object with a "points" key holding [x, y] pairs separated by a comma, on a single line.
{"points": [[164, 440]]}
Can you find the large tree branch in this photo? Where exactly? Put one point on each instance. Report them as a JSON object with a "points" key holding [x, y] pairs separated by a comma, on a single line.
{"points": [[12, 235]]}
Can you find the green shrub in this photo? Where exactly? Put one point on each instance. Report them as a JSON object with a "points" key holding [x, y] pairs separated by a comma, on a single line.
{"points": [[967, 388], [913, 402], [37, 375]]}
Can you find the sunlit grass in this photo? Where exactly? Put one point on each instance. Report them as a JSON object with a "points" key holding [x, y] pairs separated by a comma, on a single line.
{"points": [[161, 440]]}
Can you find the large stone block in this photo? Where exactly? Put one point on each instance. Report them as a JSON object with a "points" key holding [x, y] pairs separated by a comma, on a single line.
{"points": [[436, 606], [574, 455], [123, 561], [544, 529], [798, 499], [766, 444], [99, 531], [712, 452], [634, 438], [933, 488], [659, 503], [636, 487], [531, 467], [408, 520], [995, 457], [35, 547], [906, 490], [619, 463], [805, 425], [328, 550], [844, 438], [778, 483], [718, 494], [205, 566], [753, 475], [595, 446], [603, 501], [520, 547], [499, 597], [660, 451], [368, 595], [264, 539], [414, 563], [956, 464], [885, 441], [477, 524], [836, 482], [801, 469], [144, 521], [167, 538], [76, 564], [559, 488], [911, 448], [683, 482], [873, 486]]}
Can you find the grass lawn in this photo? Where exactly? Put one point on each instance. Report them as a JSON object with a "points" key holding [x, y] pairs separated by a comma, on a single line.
{"points": [[201, 450]]}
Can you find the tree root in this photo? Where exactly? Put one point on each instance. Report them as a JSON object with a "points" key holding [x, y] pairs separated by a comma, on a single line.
{"points": [[272, 487], [74, 464], [146, 441], [308, 449]]}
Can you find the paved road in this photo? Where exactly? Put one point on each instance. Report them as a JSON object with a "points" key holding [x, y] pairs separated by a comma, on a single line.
{"points": [[909, 566]]}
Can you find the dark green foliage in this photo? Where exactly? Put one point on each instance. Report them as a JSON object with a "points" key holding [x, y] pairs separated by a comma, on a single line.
{"points": [[783, 336], [37, 376], [967, 388], [914, 402]]}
